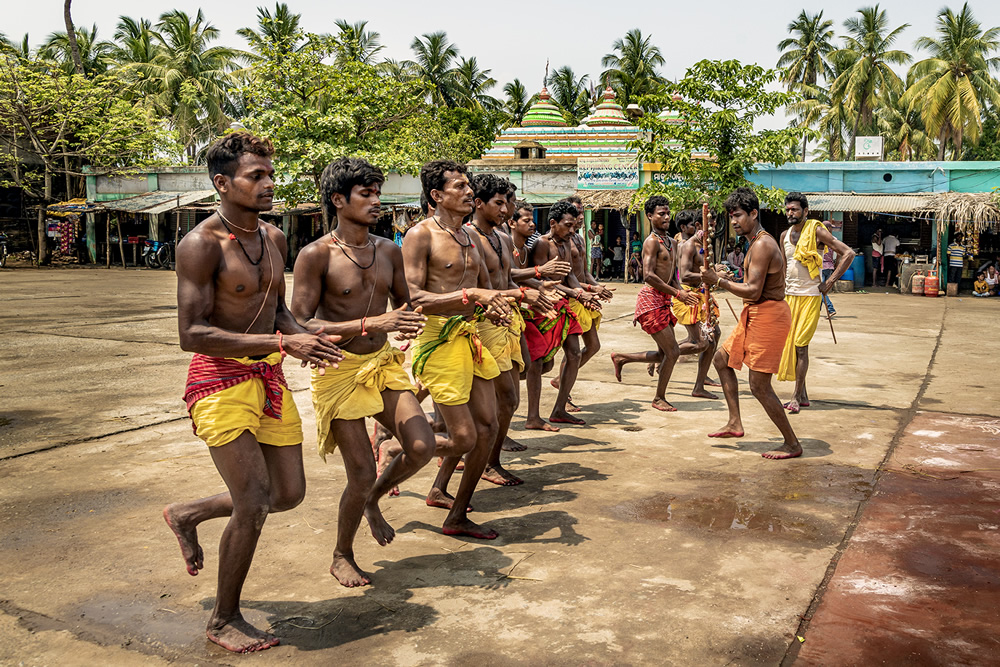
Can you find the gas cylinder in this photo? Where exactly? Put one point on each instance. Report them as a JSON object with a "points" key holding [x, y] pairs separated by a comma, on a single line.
{"points": [[931, 284], [917, 286]]}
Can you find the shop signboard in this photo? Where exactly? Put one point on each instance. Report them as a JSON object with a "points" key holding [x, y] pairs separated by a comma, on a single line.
{"points": [[868, 147], [607, 173]]}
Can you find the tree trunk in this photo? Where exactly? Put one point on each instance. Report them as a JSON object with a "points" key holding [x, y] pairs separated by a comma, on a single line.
{"points": [[805, 140], [942, 141], [71, 36], [854, 135], [43, 245], [69, 178]]}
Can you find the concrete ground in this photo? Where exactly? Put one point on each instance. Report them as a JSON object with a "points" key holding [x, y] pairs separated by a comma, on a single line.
{"points": [[634, 540]]}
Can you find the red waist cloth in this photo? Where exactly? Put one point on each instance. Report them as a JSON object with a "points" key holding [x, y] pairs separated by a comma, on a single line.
{"points": [[209, 375], [652, 311], [545, 337]]}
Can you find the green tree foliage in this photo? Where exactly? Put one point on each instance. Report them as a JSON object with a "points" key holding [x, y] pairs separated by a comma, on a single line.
{"points": [[472, 84], [869, 77], [951, 87], [433, 64], [517, 102], [632, 68], [315, 112], [720, 100], [357, 44], [804, 58], [570, 94], [69, 120], [280, 27], [95, 54]]}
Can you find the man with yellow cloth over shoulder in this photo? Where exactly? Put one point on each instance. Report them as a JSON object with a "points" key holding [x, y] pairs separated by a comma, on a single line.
{"points": [[343, 282], [804, 290]]}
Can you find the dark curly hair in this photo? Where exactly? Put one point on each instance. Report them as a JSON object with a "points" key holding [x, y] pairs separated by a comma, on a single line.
{"points": [[224, 153], [686, 217], [743, 199], [797, 197], [561, 208], [655, 202], [487, 186], [432, 175], [341, 175], [521, 205], [511, 188]]}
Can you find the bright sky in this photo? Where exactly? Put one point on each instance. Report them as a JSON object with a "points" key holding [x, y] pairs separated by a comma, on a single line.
{"points": [[516, 40]]}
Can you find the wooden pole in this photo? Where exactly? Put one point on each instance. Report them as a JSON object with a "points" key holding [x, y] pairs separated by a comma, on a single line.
{"points": [[121, 241]]}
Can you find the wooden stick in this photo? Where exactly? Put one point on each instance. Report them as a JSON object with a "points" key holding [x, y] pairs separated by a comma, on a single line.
{"points": [[735, 316], [829, 318]]}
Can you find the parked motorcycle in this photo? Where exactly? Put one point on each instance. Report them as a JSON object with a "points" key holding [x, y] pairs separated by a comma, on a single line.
{"points": [[156, 254]]}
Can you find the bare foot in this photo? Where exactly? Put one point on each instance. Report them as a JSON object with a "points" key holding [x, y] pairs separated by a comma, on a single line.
{"points": [[469, 529], [618, 366], [460, 466], [512, 445], [712, 383], [571, 406], [554, 382], [347, 571], [539, 425], [438, 498], [786, 451], [381, 530], [497, 475], [662, 405], [187, 536], [564, 417], [378, 436], [792, 406], [729, 431], [384, 455], [238, 636], [701, 393], [651, 369]]}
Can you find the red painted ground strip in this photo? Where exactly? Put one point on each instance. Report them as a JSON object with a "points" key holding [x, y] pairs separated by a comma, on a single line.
{"points": [[919, 583]]}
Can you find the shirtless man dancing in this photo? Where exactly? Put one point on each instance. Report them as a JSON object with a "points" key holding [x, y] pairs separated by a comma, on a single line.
{"points": [[589, 316], [692, 316], [764, 324], [653, 313], [343, 282], [504, 343], [231, 313], [546, 336], [447, 278]]}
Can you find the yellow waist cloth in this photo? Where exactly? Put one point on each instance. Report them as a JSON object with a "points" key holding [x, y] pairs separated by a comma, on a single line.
{"points": [[805, 317], [447, 355], [806, 250], [686, 314], [354, 389], [588, 319], [504, 343]]}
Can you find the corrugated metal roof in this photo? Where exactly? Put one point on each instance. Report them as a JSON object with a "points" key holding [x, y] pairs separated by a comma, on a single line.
{"points": [[849, 201], [160, 201]]}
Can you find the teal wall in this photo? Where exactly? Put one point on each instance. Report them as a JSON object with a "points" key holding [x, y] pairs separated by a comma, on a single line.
{"points": [[880, 177]]}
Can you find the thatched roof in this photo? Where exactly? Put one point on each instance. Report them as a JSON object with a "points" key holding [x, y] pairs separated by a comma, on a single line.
{"points": [[619, 200], [968, 210]]}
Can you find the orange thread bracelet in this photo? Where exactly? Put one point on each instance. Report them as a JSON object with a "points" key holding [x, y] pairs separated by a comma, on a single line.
{"points": [[281, 348], [364, 332], [465, 296], [538, 273]]}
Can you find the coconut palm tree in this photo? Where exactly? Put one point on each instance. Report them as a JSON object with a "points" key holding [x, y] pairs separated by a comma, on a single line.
{"points": [[518, 102], [355, 44], [20, 50], [95, 54], [954, 84], [903, 129], [804, 57], [631, 67], [570, 94], [189, 80], [279, 28], [434, 65], [868, 48], [472, 84]]}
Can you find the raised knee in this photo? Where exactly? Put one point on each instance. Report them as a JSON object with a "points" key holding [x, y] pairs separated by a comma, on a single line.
{"points": [[288, 499], [720, 359]]}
